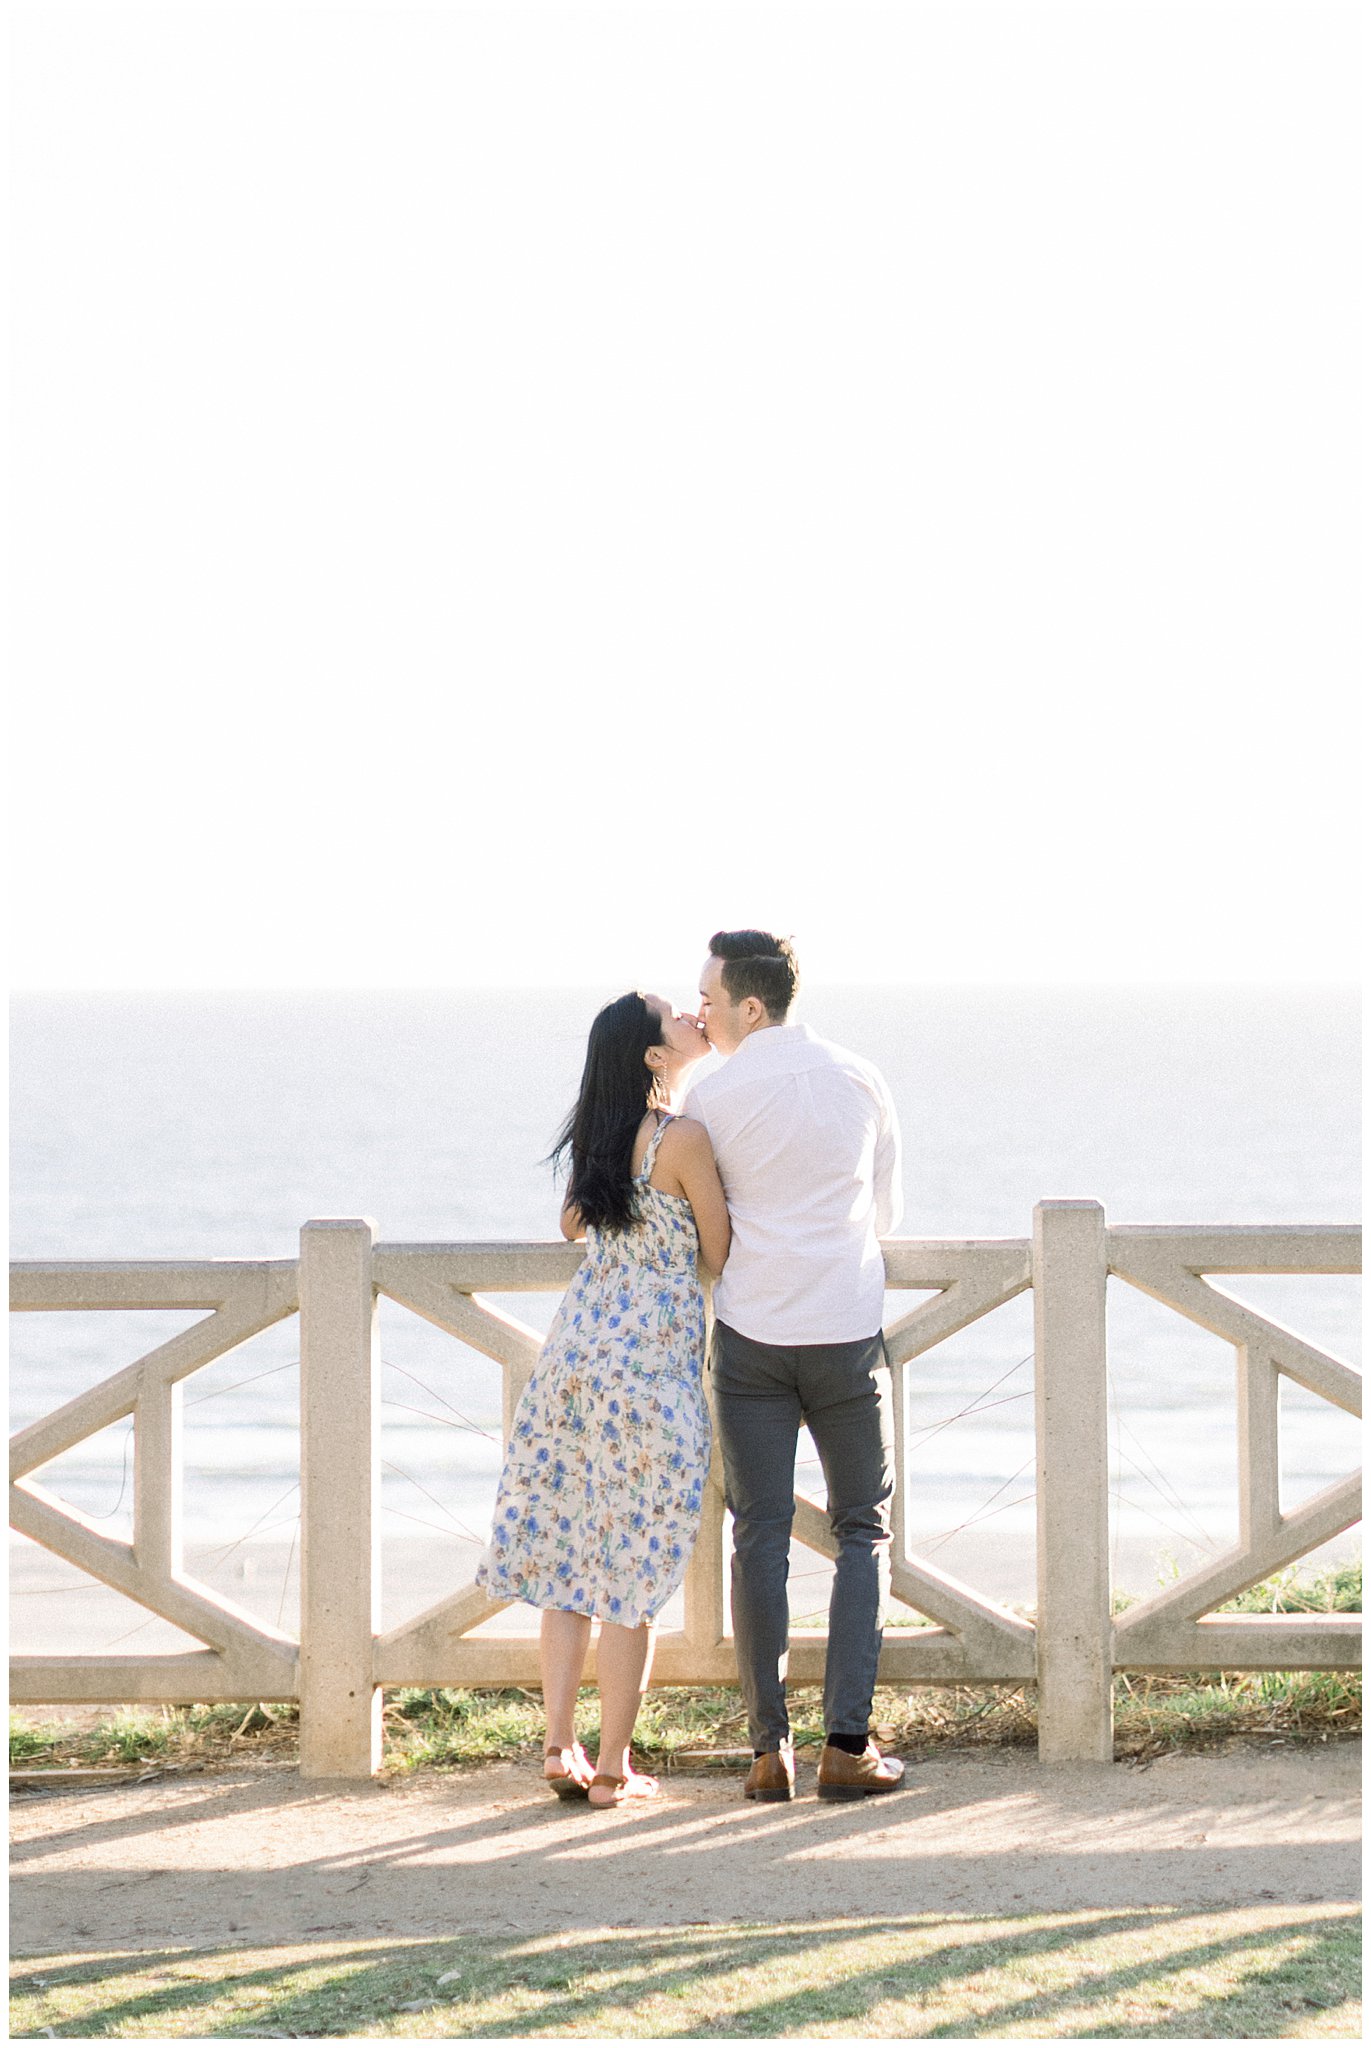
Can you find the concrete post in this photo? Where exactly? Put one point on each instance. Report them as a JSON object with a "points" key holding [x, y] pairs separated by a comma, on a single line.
{"points": [[1075, 1651], [340, 1557]]}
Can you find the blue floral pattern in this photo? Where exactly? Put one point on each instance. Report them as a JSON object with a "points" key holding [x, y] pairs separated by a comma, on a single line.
{"points": [[603, 1484]]}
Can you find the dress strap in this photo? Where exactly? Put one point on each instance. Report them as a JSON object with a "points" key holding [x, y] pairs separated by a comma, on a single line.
{"points": [[650, 1156]]}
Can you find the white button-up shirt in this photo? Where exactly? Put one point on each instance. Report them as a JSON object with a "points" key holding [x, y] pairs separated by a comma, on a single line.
{"points": [[809, 1155]]}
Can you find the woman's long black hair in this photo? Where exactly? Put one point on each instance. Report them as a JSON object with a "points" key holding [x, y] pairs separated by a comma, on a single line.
{"points": [[617, 1090]]}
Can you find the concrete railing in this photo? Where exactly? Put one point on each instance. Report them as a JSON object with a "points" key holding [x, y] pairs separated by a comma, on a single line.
{"points": [[340, 1663]]}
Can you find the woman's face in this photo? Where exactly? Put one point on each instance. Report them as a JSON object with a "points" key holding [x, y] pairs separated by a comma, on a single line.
{"points": [[683, 1041]]}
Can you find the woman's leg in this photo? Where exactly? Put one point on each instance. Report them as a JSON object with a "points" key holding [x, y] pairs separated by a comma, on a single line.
{"points": [[623, 1659], [563, 1640]]}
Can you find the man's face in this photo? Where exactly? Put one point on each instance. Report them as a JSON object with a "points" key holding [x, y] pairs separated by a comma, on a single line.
{"points": [[723, 1027]]}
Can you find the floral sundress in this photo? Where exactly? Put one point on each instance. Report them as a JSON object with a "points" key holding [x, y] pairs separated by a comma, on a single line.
{"points": [[602, 1490]]}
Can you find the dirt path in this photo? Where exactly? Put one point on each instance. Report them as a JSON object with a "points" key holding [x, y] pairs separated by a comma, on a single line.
{"points": [[257, 1856]]}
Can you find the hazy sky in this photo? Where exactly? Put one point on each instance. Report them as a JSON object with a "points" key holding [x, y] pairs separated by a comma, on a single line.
{"points": [[502, 490]]}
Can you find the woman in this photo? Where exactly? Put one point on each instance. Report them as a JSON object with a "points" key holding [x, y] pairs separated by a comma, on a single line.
{"points": [[603, 1485]]}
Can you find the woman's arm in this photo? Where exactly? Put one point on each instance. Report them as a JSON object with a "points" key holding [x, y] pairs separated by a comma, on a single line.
{"points": [[690, 1160], [572, 1223]]}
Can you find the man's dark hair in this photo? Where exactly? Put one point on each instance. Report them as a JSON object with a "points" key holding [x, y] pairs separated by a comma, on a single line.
{"points": [[758, 964]]}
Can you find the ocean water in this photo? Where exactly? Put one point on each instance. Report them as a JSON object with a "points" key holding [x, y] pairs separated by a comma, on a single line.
{"points": [[193, 1126]]}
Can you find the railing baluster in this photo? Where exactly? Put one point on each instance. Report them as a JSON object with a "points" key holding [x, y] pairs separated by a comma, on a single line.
{"points": [[157, 1478], [1258, 1446], [704, 1579]]}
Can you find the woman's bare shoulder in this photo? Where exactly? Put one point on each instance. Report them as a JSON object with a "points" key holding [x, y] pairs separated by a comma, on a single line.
{"points": [[687, 1138]]}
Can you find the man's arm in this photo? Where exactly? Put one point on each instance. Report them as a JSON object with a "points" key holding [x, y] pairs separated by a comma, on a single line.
{"points": [[888, 1181]]}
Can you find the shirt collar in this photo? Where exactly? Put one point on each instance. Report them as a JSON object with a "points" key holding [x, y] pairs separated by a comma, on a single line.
{"points": [[782, 1034]]}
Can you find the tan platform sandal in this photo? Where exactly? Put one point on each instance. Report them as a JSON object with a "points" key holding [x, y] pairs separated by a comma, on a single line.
{"points": [[574, 1779], [622, 1791]]}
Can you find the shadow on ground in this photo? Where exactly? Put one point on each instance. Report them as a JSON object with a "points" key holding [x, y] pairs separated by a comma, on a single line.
{"points": [[1256, 1973]]}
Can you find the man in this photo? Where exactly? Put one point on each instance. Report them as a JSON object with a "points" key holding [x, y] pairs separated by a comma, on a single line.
{"points": [[808, 1151]]}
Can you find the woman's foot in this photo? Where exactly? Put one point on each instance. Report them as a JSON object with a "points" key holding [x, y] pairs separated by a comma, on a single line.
{"points": [[608, 1790], [568, 1771]]}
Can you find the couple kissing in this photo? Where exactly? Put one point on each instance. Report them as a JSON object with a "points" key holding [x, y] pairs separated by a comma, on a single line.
{"points": [[778, 1180]]}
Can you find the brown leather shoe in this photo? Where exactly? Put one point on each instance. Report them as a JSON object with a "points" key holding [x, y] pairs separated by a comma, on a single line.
{"points": [[853, 1777], [772, 1776]]}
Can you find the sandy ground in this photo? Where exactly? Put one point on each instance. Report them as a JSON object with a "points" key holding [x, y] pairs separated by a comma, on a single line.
{"points": [[257, 1856]]}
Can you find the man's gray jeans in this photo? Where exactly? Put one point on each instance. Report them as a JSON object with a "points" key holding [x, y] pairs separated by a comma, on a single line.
{"points": [[762, 1393]]}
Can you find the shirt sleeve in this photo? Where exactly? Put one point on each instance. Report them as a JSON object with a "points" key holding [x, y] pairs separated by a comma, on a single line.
{"points": [[889, 1184]]}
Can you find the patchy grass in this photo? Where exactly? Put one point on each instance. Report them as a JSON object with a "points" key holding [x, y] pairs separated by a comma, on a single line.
{"points": [[1335, 1591], [428, 1729], [1249, 1973], [172, 1738], [1154, 1714]]}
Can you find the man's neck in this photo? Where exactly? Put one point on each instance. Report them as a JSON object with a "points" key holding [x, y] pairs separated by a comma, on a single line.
{"points": [[770, 1024]]}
